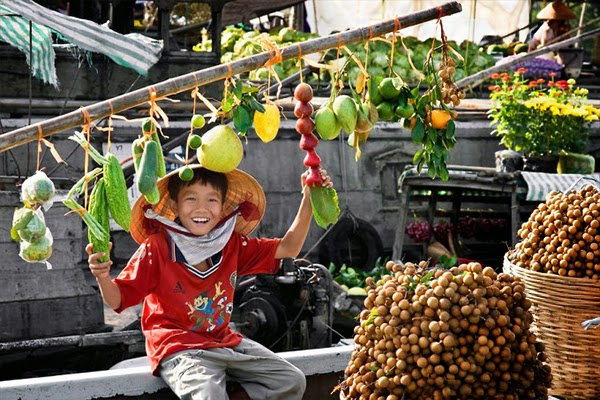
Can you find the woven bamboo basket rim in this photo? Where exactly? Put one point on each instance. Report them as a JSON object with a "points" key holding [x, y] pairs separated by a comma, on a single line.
{"points": [[581, 292], [559, 305]]}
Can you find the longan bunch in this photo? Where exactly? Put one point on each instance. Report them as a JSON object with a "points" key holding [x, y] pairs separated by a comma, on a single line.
{"points": [[461, 333], [562, 235], [450, 91]]}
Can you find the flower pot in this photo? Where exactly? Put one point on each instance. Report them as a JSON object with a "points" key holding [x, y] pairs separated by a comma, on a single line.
{"points": [[574, 163], [546, 163], [508, 161]]}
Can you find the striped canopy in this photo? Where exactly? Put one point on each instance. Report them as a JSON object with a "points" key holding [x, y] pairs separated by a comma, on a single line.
{"points": [[131, 51]]}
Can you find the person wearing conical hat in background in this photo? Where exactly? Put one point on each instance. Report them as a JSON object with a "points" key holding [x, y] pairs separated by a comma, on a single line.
{"points": [[193, 246], [556, 16]]}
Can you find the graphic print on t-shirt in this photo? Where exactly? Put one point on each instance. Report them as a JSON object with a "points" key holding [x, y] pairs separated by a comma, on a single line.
{"points": [[208, 312]]}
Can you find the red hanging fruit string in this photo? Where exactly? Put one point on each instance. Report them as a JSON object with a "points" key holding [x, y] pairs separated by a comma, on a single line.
{"points": [[304, 126]]}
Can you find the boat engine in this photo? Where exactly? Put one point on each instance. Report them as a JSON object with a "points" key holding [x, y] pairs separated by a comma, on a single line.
{"points": [[290, 310]]}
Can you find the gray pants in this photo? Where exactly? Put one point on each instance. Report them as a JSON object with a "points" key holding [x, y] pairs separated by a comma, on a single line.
{"points": [[201, 374]]}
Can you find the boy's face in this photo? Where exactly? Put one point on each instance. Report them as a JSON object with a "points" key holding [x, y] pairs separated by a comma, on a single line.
{"points": [[199, 208]]}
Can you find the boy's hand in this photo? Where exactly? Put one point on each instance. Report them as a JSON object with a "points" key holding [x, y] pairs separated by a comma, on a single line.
{"points": [[99, 269], [326, 179]]}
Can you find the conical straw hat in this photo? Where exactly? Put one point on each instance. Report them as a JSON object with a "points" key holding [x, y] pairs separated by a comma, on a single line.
{"points": [[556, 10]]}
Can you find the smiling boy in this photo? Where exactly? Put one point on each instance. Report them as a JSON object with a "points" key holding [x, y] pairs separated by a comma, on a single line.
{"points": [[193, 247]]}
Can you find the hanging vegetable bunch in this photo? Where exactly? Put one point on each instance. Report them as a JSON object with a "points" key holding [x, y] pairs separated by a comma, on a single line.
{"points": [[28, 225], [109, 197], [324, 200]]}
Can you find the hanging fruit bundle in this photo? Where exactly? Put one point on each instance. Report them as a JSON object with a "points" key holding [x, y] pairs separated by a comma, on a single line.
{"points": [[324, 200], [28, 224]]}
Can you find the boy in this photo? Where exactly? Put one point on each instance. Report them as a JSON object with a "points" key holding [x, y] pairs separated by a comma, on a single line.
{"points": [[193, 246]]}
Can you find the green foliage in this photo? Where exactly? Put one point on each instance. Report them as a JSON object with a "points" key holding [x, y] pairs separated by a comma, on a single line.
{"points": [[354, 277]]}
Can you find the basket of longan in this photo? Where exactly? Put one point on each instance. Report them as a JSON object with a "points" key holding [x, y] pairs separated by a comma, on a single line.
{"points": [[435, 333], [558, 259]]}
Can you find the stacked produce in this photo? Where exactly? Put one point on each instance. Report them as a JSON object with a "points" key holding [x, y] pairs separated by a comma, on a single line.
{"points": [[562, 236], [238, 43], [461, 333], [28, 225]]}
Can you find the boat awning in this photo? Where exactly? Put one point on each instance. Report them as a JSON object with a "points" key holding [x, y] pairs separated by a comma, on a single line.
{"points": [[133, 51]]}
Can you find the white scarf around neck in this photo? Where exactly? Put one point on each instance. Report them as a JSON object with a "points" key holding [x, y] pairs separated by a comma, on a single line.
{"points": [[196, 249]]}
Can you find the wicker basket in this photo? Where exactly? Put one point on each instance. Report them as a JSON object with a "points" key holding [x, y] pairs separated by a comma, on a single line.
{"points": [[559, 305]]}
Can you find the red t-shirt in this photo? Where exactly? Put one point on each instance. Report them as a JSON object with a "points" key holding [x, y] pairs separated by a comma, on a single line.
{"points": [[185, 308]]}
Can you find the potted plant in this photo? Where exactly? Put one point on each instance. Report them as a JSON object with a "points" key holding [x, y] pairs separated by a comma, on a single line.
{"points": [[540, 119]]}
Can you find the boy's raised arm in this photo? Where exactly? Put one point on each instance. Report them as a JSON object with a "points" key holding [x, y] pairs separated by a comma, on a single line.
{"points": [[101, 270], [291, 244]]}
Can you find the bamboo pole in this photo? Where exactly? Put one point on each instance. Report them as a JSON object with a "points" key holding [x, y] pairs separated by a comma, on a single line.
{"points": [[202, 77], [478, 78]]}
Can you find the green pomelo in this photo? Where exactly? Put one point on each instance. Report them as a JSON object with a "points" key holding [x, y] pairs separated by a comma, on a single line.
{"points": [[221, 149], [38, 251], [35, 229], [21, 218], [345, 112], [37, 188], [326, 124]]}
